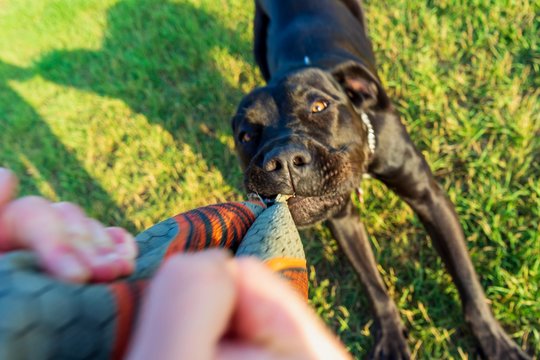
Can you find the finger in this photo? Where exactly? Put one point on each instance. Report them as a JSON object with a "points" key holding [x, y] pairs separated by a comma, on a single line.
{"points": [[106, 263], [8, 186], [31, 222], [87, 234], [271, 315], [124, 242], [90, 242], [188, 308], [126, 248], [239, 350]]}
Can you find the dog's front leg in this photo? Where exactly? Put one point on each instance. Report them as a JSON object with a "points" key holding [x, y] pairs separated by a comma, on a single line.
{"points": [[390, 334], [403, 169]]}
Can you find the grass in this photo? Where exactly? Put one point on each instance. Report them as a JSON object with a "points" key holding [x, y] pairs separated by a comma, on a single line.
{"points": [[124, 107]]}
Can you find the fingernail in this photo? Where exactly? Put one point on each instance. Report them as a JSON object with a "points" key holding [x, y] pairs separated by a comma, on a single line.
{"points": [[100, 236], [124, 243], [105, 267], [68, 267], [7, 184], [5, 175], [105, 259], [127, 249], [77, 231]]}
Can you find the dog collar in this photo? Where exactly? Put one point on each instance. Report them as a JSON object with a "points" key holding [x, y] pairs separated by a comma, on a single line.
{"points": [[371, 133]]}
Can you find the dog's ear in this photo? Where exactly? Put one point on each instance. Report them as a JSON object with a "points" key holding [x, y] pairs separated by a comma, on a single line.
{"points": [[361, 86]]}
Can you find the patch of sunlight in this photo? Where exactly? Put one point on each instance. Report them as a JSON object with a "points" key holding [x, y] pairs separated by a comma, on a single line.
{"points": [[44, 187], [234, 15], [30, 28], [237, 72], [139, 164]]}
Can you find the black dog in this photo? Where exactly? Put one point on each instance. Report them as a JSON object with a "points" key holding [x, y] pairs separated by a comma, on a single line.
{"points": [[322, 122]]}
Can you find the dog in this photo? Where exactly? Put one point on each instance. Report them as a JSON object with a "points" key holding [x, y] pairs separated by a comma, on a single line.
{"points": [[320, 124]]}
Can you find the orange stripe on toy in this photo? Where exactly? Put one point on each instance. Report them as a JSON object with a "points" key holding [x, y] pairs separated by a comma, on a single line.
{"points": [[233, 226], [178, 244], [230, 226], [216, 225], [298, 279], [127, 296], [221, 225], [199, 234], [239, 220], [293, 270], [279, 264]]}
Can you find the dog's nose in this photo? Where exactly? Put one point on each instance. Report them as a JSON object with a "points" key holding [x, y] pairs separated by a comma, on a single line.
{"points": [[286, 159]]}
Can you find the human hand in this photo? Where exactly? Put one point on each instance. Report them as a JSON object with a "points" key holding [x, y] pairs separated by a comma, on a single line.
{"points": [[209, 306], [68, 244]]}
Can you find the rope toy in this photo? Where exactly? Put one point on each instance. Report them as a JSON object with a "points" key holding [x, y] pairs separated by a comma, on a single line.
{"points": [[45, 318]]}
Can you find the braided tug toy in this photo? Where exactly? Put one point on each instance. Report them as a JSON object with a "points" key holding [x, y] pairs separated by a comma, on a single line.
{"points": [[44, 318]]}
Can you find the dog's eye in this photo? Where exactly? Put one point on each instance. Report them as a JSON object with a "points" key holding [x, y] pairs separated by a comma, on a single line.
{"points": [[244, 137], [318, 106]]}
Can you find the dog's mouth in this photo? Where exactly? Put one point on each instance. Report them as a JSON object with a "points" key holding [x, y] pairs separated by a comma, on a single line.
{"points": [[308, 210], [320, 187]]}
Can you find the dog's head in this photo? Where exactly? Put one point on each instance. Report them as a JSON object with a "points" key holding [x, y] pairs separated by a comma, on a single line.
{"points": [[303, 135]]}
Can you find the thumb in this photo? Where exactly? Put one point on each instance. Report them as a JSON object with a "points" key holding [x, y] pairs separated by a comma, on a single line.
{"points": [[8, 188], [188, 309], [272, 319]]}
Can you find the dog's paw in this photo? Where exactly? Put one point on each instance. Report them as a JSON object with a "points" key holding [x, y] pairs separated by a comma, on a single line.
{"points": [[498, 346], [391, 345], [493, 342]]}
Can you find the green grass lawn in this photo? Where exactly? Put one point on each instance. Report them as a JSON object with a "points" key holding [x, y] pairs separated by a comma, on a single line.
{"points": [[124, 107]]}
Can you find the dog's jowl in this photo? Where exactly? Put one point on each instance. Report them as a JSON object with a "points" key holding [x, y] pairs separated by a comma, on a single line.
{"points": [[323, 121]]}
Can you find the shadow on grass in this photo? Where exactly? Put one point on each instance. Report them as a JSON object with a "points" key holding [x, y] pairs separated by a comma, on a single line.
{"points": [[29, 143], [157, 57]]}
